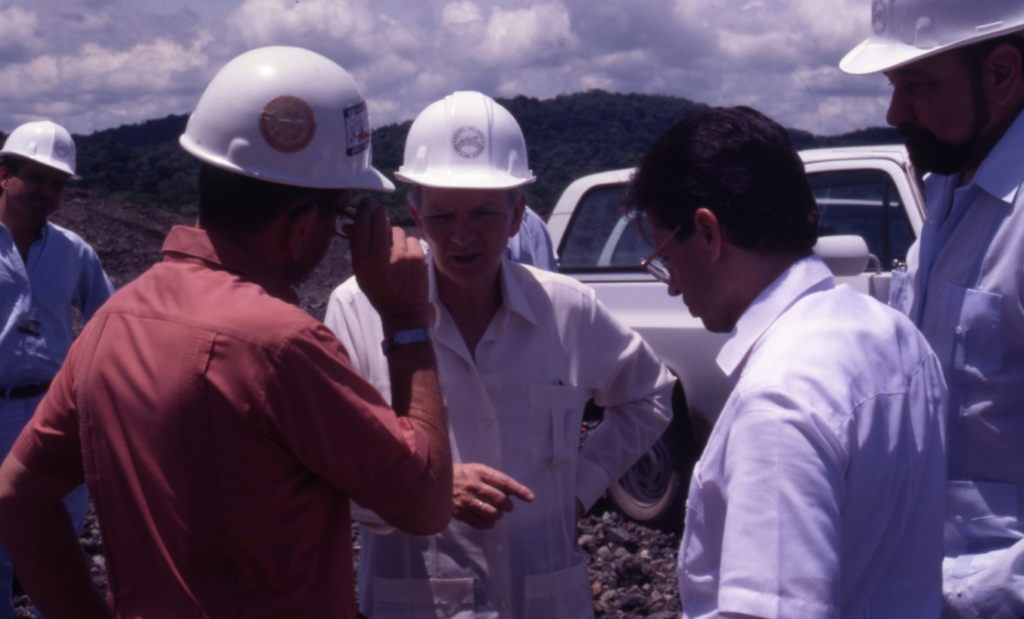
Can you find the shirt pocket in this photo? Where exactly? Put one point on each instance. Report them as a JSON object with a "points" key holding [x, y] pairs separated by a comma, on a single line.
{"points": [[395, 598], [551, 413], [563, 594], [978, 347]]}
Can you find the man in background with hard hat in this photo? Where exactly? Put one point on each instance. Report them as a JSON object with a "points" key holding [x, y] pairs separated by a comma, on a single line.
{"points": [[45, 271], [958, 91], [520, 351], [220, 428]]}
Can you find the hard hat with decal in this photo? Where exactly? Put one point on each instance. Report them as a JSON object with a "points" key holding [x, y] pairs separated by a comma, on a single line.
{"points": [[285, 115], [44, 142], [907, 30], [466, 141]]}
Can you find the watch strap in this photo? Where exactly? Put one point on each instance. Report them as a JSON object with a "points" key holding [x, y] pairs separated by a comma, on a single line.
{"points": [[409, 336]]}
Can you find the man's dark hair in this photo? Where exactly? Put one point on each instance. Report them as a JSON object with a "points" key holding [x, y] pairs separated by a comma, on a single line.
{"points": [[740, 165], [229, 201], [975, 55], [13, 165]]}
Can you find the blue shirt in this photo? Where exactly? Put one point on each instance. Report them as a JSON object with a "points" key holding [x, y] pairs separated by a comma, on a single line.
{"points": [[36, 301], [964, 291], [532, 244]]}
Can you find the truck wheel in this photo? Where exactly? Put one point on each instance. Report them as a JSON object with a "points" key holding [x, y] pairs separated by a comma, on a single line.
{"points": [[653, 491]]}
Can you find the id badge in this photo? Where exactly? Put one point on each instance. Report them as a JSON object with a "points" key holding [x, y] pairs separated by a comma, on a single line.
{"points": [[28, 325]]}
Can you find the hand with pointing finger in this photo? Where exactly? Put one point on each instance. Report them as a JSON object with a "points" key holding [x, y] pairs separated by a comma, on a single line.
{"points": [[483, 495]]}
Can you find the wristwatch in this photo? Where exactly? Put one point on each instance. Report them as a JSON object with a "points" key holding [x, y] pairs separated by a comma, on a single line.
{"points": [[409, 336]]}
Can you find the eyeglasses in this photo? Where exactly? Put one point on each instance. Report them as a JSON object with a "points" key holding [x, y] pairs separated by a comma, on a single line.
{"points": [[345, 216], [655, 265]]}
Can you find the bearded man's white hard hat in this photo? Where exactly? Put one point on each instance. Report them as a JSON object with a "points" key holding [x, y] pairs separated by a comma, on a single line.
{"points": [[904, 31], [466, 141], [44, 142], [286, 115]]}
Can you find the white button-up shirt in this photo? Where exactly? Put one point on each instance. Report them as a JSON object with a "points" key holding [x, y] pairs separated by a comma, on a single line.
{"points": [[820, 491], [36, 298], [963, 288], [518, 408]]}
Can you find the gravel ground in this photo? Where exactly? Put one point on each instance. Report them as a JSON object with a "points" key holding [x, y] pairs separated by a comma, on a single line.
{"points": [[632, 568]]}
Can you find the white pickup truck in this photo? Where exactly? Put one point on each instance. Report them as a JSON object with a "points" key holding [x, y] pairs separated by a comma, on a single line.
{"points": [[866, 192]]}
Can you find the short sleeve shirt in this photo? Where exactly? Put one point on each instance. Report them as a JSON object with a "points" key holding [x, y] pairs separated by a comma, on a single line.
{"points": [[820, 491], [222, 432]]}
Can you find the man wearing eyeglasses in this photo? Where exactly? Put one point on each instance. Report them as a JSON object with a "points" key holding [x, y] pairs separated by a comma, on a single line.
{"points": [[820, 491]]}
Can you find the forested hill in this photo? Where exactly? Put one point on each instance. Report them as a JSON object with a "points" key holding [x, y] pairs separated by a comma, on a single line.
{"points": [[567, 137]]}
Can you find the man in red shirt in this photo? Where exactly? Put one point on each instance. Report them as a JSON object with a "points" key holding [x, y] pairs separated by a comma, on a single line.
{"points": [[221, 429]]}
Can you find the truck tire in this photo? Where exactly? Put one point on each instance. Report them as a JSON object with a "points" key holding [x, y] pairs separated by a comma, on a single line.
{"points": [[653, 491]]}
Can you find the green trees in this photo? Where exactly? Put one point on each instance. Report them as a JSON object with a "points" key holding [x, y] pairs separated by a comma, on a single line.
{"points": [[567, 137]]}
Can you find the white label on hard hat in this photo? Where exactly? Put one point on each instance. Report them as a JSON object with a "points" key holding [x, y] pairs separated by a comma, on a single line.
{"points": [[357, 129], [879, 16], [61, 149], [288, 124], [468, 142]]}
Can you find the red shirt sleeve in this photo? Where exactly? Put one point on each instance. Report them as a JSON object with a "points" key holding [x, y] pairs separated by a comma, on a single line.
{"points": [[339, 425]]}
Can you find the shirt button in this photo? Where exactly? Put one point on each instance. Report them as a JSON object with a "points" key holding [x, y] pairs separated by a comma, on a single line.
{"points": [[959, 519], [497, 547], [959, 591], [503, 605], [958, 330]]}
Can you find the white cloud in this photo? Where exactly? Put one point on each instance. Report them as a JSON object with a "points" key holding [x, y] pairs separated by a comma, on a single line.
{"points": [[98, 63], [460, 13], [18, 32]]}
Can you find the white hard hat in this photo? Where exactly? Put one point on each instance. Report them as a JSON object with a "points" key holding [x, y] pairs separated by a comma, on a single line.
{"points": [[285, 115], [908, 30], [44, 142], [466, 141]]}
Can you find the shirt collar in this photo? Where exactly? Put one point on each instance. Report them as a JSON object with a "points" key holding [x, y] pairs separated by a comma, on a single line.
{"points": [[1000, 173], [184, 243], [803, 277], [513, 293]]}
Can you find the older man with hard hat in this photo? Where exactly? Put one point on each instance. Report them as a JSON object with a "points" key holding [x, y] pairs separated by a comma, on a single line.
{"points": [[957, 70], [220, 428], [520, 351], [45, 273]]}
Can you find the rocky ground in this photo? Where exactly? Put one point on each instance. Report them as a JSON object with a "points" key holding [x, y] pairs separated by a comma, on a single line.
{"points": [[632, 568]]}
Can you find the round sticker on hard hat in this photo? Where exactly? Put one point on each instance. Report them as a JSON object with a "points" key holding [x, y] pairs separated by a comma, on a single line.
{"points": [[288, 124], [468, 142], [879, 16], [61, 149]]}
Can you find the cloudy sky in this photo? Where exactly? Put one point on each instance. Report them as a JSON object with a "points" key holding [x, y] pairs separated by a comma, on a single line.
{"points": [[95, 64]]}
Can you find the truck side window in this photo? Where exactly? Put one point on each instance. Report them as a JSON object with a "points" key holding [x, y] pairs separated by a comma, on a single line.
{"points": [[600, 237], [865, 203]]}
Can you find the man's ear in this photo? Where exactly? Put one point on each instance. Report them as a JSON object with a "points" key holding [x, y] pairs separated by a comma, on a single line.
{"points": [[298, 229], [519, 208], [709, 233], [1003, 73]]}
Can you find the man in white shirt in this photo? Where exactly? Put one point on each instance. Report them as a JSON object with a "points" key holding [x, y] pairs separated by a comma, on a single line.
{"points": [[958, 94], [520, 351], [45, 271], [820, 491]]}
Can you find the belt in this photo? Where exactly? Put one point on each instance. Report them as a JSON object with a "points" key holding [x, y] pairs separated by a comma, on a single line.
{"points": [[24, 391]]}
